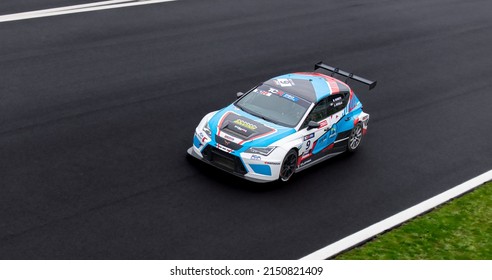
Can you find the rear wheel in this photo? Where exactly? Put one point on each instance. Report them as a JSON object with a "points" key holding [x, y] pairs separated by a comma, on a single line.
{"points": [[288, 166], [355, 138]]}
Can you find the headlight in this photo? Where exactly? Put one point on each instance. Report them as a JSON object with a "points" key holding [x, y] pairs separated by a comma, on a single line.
{"points": [[262, 151], [207, 130]]}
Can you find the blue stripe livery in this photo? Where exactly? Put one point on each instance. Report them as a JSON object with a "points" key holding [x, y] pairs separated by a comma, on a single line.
{"points": [[261, 169]]}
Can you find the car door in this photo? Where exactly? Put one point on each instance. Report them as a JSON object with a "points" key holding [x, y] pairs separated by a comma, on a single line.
{"points": [[316, 141], [319, 142]]}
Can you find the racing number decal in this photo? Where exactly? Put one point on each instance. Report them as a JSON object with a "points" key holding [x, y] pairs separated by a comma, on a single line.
{"points": [[307, 141]]}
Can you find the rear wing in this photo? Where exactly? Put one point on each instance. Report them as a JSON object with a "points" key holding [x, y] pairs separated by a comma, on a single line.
{"points": [[334, 71]]}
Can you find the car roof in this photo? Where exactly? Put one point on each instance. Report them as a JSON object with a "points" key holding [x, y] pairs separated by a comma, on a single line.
{"points": [[310, 86]]}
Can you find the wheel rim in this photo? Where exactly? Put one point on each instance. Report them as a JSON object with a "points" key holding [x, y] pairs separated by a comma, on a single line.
{"points": [[288, 167], [355, 138]]}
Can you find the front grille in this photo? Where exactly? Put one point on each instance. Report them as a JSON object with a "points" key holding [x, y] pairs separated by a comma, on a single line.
{"points": [[223, 160]]}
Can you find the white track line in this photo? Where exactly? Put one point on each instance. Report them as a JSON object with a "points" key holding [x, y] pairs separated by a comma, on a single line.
{"points": [[79, 9], [397, 219], [73, 7]]}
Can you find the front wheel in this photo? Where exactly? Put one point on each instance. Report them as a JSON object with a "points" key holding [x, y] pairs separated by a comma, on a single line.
{"points": [[288, 166], [355, 138]]}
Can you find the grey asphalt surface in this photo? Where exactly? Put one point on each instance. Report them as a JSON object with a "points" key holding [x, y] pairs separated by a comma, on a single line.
{"points": [[97, 111]]}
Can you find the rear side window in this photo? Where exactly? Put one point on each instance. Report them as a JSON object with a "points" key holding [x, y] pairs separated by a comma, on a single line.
{"points": [[337, 102], [326, 107]]}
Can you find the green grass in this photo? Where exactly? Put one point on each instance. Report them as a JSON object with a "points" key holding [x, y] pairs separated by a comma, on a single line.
{"points": [[458, 230]]}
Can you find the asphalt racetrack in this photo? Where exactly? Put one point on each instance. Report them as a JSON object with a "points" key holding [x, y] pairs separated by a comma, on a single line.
{"points": [[98, 109]]}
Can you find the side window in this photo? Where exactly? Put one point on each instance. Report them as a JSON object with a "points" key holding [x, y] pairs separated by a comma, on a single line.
{"points": [[337, 102], [319, 112]]}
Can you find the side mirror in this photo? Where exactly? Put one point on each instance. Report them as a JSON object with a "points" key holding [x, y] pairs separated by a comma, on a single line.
{"points": [[239, 94], [312, 124]]}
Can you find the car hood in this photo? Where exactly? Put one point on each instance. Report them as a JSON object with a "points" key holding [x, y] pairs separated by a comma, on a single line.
{"points": [[238, 130]]}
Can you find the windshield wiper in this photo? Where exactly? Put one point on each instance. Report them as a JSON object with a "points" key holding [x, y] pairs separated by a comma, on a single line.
{"points": [[240, 107]]}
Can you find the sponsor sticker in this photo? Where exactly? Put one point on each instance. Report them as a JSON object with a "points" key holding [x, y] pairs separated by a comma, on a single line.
{"points": [[305, 162], [225, 149], [307, 137], [276, 91], [283, 94], [255, 157], [272, 163], [203, 138], [290, 97], [240, 128], [333, 132], [323, 124], [246, 124], [284, 82], [229, 137]]}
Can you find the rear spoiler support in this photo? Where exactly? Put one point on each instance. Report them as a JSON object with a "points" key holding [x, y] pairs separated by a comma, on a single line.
{"points": [[334, 71]]}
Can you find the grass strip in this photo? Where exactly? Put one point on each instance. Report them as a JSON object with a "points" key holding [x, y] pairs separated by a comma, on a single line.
{"points": [[457, 230]]}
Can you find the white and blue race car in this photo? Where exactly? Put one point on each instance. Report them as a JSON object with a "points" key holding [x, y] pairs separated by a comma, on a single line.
{"points": [[283, 126]]}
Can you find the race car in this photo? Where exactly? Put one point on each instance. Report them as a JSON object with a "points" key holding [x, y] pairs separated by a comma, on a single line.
{"points": [[284, 125]]}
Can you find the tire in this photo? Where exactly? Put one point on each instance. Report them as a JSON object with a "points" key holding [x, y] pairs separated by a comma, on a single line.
{"points": [[355, 138], [288, 167]]}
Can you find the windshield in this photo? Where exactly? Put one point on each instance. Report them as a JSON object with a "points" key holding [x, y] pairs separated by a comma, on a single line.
{"points": [[274, 105]]}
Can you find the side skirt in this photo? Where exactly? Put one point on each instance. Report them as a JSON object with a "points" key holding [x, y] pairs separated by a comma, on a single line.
{"points": [[318, 161]]}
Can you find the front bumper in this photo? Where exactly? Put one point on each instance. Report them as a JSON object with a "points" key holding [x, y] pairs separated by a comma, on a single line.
{"points": [[242, 166]]}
